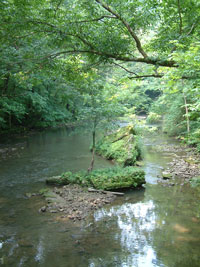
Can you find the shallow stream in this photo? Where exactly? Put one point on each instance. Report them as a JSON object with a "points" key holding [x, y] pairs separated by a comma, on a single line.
{"points": [[155, 226]]}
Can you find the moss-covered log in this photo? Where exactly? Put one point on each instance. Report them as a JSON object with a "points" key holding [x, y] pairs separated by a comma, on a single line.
{"points": [[116, 178], [121, 146], [106, 179]]}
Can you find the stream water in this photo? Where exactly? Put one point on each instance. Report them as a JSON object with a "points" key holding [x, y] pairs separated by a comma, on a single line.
{"points": [[155, 226]]}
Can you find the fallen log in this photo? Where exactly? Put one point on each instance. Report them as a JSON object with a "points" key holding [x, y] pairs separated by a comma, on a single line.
{"points": [[105, 192]]}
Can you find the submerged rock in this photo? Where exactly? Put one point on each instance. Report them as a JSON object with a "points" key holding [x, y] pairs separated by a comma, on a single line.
{"points": [[167, 175], [43, 209]]}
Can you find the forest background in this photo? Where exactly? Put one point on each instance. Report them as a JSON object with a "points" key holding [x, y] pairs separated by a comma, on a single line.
{"points": [[64, 61]]}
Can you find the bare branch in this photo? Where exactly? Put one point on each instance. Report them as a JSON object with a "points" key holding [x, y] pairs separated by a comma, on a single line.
{"points": [[128, 27], [88, 67], [160, 76], [193, 26], [58, 5], [122, 67], [70, 22], [146, 76], [41, 22], [97, 19]]}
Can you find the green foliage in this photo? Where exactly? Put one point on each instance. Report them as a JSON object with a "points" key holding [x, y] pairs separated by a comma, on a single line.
{"points": [[194, 139], [174, 123], [195, 182], [100, 107], [153, 118], [121, 146], [107, 179], [56, 55]]}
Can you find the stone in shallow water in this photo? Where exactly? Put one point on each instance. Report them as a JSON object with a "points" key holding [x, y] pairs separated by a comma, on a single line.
{"points": [[166, 175], [43, 209]]}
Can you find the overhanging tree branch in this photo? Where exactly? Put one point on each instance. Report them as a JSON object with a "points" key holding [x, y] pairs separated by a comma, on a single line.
{"points": [[151, 61], [146, 76], [161, 76], [156, 75], [127, 26]]}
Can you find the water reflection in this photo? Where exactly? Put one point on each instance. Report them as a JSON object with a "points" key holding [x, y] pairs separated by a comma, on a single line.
{"points": [[157, 226], [134, 222], [40, 251]]}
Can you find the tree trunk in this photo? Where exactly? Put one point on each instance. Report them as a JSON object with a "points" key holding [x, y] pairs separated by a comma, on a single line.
{"points": [[93, 150], [10, 120], [187, 114], [6, 83]]}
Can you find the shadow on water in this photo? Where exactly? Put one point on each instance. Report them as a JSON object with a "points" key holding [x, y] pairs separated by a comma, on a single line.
{"points": [[158, 226]]}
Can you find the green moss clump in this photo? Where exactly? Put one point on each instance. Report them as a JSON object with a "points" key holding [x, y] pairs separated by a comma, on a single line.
{"points": [[118, 177], [70, 178], [121, 146], [43, 191], [106, 179]]}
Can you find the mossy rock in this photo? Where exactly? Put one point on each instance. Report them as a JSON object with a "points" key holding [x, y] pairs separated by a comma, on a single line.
{"points": [[167, 175], [69, 178], [57, 180], [121, 146], [106, 179], [116, 178]]}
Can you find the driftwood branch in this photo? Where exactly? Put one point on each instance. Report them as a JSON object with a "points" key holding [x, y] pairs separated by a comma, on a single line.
{"points": [[105, 192]]}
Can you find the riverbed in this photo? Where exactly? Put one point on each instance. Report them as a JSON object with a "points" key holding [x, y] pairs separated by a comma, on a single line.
{"points": [[155, 226]]}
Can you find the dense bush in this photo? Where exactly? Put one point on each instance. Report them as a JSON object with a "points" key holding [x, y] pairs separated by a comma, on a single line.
{"points": [[195, 182], [153, 117], [194, 139]]}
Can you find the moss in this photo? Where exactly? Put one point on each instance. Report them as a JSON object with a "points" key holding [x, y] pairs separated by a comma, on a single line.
{"points": [[107, 179], [57, 181], [116, 178], [44, 191], [121, 146]]}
